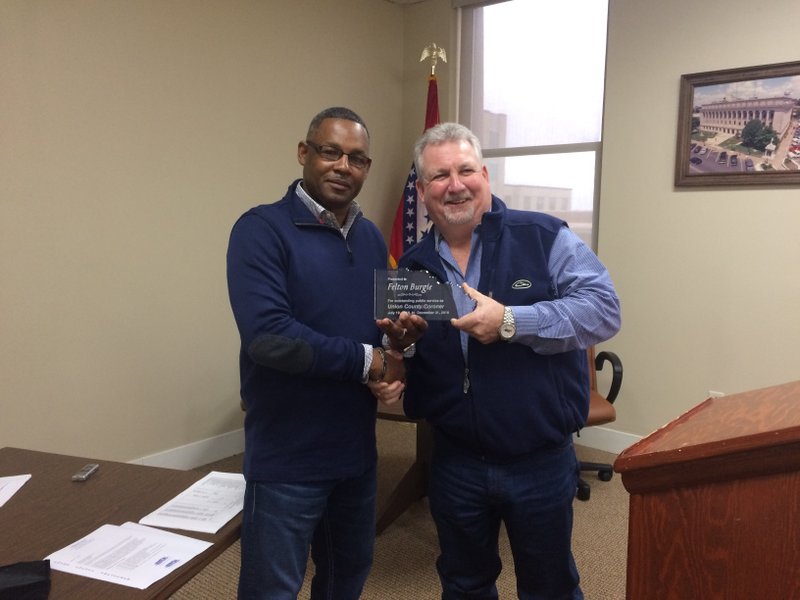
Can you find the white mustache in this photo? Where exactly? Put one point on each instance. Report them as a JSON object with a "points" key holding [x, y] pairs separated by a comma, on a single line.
{"points": [[458, 197]]}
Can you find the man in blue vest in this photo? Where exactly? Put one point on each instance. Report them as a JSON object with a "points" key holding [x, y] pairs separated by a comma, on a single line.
{"points": [[504, 385]]}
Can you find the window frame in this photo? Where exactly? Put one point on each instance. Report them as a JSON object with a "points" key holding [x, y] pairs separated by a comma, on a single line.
{"points": [[471, 45]]}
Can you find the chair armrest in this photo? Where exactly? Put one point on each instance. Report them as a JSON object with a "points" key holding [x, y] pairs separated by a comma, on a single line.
{"points": [[616, 367]]}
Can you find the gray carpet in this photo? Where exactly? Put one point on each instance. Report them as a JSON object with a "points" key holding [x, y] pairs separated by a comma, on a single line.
{"points": [[405, 553]]}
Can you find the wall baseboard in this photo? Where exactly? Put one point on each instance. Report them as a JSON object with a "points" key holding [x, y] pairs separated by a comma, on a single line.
{"points": [[197, 453], [608, 440], [222, 446]]}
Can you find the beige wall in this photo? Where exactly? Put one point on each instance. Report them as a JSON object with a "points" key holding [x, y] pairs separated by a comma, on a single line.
{"points": [[709, 278], [134, 133]]}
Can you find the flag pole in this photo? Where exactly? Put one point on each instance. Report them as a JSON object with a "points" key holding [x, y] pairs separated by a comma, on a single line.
{"points": [[407, 221]]}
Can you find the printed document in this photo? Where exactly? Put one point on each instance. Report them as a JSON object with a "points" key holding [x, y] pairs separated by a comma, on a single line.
{"points": [[129, 554], [205, 506], [10, 485]]}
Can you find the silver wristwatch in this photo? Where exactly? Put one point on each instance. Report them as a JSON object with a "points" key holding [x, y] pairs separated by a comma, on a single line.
{"points": [[507, 327]]}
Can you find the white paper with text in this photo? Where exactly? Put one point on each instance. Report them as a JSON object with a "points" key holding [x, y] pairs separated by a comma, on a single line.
{"points": [[10, 485], [129, 554], [205, 506]]}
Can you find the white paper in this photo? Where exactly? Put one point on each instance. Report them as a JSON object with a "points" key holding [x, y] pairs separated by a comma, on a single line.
{"points": [[205, 506], [10, 485], [130, 554]]}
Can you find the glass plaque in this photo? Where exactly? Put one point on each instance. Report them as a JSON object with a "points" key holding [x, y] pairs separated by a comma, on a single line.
{"points": [[416, 292]]}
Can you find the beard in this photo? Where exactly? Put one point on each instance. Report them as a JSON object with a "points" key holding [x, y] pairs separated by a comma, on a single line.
{"points": [[459, 214]]}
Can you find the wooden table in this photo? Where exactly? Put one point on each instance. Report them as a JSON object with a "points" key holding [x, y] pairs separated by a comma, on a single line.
{"points": [[414, 484], [51, 512], [714, 511]]}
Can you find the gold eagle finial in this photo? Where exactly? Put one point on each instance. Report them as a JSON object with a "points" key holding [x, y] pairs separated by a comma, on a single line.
{"points": [[435, 53]]}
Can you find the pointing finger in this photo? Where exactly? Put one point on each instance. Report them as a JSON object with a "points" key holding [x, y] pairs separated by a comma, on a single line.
{"points": [[469, 291]]}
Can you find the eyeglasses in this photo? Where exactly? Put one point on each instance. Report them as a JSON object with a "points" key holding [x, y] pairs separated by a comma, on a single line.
{"points": [[332, 154]]}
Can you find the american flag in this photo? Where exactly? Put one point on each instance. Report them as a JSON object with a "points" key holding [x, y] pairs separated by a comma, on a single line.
{"points": [[411, 220]]}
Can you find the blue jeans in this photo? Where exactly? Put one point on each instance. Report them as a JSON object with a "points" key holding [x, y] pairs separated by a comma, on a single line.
{"points": [[336, 518], [533, 497]]}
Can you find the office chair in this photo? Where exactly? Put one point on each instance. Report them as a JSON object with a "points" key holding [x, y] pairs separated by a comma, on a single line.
{"points": [[601, 411]]}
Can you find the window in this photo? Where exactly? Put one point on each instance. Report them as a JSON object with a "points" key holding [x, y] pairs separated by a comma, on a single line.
{"points": [[532, 84]]}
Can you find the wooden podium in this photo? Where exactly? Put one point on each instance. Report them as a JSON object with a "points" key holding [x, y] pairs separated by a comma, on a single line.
{"points": [[715, 501]]}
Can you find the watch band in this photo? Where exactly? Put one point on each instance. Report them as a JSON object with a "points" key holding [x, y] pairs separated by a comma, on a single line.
{"points": [[508, 327]]}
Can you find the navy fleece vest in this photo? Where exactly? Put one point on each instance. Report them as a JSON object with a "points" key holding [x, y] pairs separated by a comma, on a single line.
{"points": [[508, 400]]}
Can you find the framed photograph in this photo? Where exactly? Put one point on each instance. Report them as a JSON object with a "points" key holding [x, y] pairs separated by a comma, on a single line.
{"points": [[739, 127]]}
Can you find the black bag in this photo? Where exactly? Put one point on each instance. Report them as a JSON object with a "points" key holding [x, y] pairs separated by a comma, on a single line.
{"points": [[25, 581]]}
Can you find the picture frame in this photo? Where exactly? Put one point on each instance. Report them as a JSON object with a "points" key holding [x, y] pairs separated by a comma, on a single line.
{"points": [[739, 127]]}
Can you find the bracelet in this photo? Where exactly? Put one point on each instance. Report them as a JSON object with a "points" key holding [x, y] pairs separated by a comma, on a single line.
{"points": [[382, 353]]}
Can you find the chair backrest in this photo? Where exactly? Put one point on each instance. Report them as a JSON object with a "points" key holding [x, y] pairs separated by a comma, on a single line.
{"points": [[601, 408]]}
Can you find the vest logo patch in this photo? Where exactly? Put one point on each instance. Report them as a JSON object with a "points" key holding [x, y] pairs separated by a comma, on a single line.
{"points": [[521, 284]]}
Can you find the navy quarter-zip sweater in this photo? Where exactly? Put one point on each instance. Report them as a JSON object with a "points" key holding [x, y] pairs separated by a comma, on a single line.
{"points": [[302, 297]]}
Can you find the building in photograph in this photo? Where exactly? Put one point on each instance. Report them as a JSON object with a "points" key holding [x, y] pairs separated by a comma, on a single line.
{"points": [[730, 116]]}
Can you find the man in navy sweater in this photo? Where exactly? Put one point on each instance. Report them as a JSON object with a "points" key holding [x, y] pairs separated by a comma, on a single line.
{"points": [[505, 385], [300, 275]]}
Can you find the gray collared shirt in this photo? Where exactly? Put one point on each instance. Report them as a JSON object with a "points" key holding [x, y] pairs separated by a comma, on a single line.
{"points": [[325, 216]]}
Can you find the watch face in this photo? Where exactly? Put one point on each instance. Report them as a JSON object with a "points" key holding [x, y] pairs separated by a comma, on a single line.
{"points": [[507, 331], [507, 328]]}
